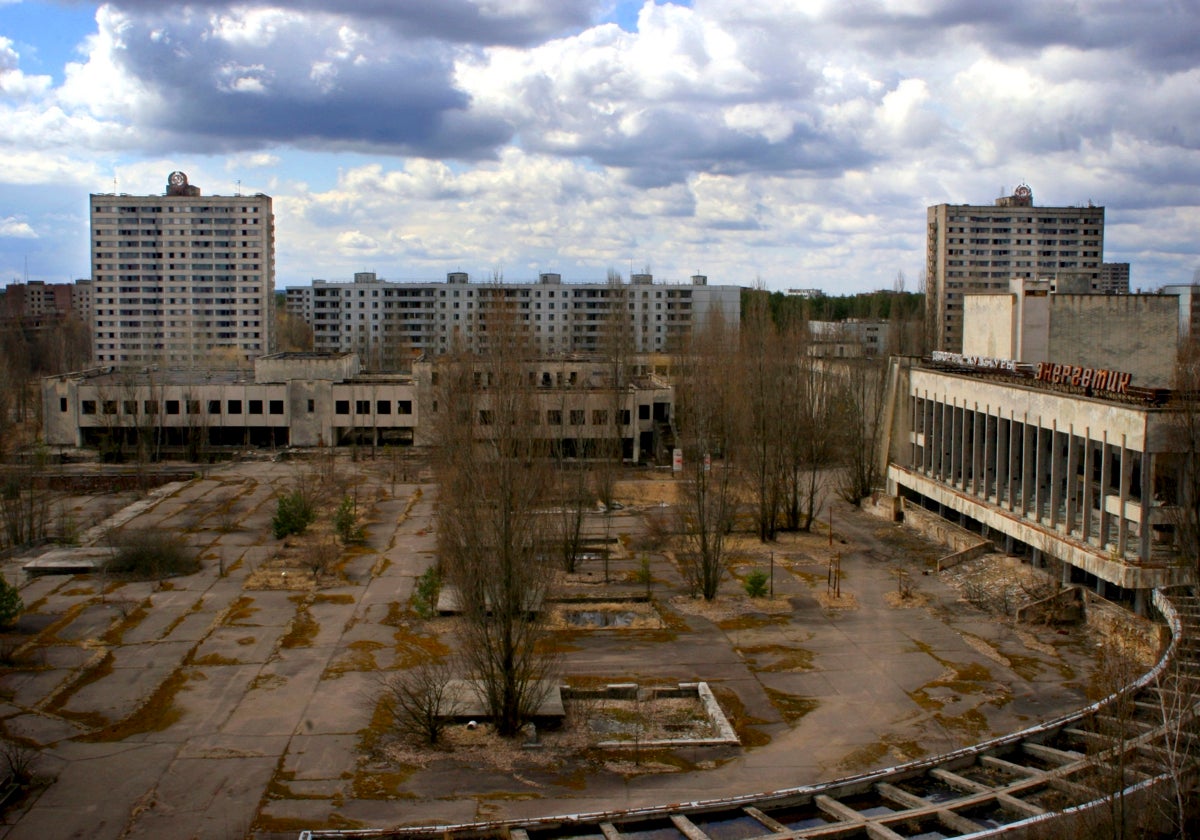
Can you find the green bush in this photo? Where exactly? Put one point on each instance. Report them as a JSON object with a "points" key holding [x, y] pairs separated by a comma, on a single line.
{"points": [[756, 583], [345, 523], [151, 555], [11, 605], [425, 595], [293, 514]]}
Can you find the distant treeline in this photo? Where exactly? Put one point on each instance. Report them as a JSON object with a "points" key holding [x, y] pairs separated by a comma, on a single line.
{"points": [[885, 305]]}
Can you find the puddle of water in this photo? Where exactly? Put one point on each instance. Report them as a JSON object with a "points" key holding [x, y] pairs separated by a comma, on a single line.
{"points": [[653, 831], [598, 618], [738, 827]]}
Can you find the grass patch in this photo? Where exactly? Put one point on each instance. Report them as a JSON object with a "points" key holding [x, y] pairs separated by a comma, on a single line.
{"points": [[751, 621], [383, 784], [792, 707], [360, 658], [239, 611], [215, 659], [972, 725], [414, 648], [116, 633], [784, 658], [735, 712], [159, 712], [333, 598], [302, 630], [94, 674]]}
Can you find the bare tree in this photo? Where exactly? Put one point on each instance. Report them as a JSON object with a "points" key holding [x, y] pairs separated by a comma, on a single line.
{"points": [[25, 502], [706, 427], [859, 405], [807, 406], [761, 386], [421, 701], [495, 478]]}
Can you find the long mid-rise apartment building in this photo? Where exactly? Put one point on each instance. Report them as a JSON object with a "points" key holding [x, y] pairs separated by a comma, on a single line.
{"points": [[973, 248], [181, 278], [388, 323]]}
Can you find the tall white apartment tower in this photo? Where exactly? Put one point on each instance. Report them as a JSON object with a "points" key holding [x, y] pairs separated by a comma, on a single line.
{"points": [[972, 248], [181, 279]]}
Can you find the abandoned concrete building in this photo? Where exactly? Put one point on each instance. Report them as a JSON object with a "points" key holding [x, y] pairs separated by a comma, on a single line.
{"points": [[323, 399], [1056, 439]]}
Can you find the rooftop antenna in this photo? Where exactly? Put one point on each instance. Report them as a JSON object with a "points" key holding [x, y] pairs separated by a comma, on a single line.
{"points": [[114, 184], [239, 188]]}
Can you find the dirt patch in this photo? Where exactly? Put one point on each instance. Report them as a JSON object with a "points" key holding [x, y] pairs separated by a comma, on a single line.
{"points": [[731, 607], [1000, 584]]}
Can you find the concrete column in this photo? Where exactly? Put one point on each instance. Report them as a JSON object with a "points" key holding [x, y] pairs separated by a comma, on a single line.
{"points": [[942, 441], [1089, 464], [967, 453], [1072, 479], [913, 430], [1123, 494], [955, 442], [1002, 434], [1056, 473], [979, 446], [1146, 530], [1016, 431], [1039, 471], [987, 454], [1028, 448], [1105, 482]]}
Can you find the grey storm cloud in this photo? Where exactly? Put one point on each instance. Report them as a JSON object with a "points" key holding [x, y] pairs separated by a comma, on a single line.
{"points": [[498, 22], [303, 88], [1163, 34]]}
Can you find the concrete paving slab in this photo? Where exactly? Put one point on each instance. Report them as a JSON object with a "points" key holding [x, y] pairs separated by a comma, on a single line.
{"points": [[28, 688], [275, 702], [89, 800], [204, 798], [321, 756], [208, 698], [120, 694], [342, 705], [150, 655], [237, 646], [222, 745], [89, 623], [41, 729]]}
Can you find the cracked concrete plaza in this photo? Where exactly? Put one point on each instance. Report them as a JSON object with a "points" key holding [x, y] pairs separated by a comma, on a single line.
{"points": [[244, 704]]}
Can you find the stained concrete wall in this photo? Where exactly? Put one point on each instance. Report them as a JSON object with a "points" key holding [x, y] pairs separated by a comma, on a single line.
{"points": [[990, 326], [1137, 334]]}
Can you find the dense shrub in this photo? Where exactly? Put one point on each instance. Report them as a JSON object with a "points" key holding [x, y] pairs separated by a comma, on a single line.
{"points": [[11, 604], [756, 583], [151, 555], [345, 523], [293, 514], [425, 595]]}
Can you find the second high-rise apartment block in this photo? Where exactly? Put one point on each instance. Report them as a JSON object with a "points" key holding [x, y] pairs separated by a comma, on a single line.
{"points": [[182, 279], [973, 248], [388, 323]]}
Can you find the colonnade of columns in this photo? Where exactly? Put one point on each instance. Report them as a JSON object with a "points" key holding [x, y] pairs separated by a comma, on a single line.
{"points": [[1080, 482]]}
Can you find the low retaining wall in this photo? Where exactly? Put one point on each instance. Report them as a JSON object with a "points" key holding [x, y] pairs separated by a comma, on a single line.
{"points": [[1064, 607], [1135, 635], [942, 530]]}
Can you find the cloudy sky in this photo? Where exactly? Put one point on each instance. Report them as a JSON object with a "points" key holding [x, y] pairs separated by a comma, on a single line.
{"points": [[789, 143]]}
